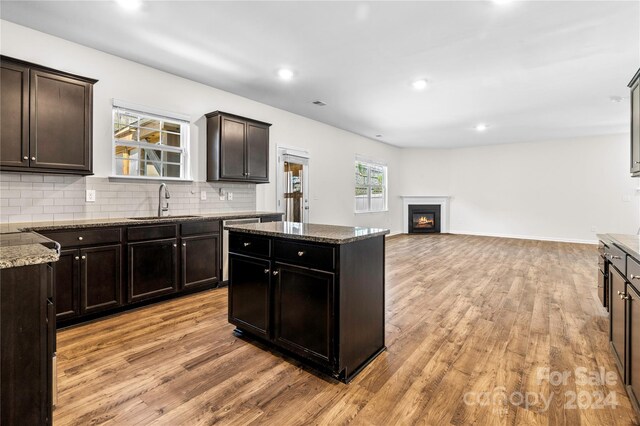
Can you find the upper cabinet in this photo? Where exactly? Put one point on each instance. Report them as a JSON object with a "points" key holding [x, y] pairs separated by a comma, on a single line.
{"points": [[237, 148], [635, 125], [45, 119]]}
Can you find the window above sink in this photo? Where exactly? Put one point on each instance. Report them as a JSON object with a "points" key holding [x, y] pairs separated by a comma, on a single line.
{"points": [[148, 144]]}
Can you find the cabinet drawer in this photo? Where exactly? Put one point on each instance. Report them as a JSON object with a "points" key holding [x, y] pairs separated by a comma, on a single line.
{"points": [[633, 271], [151, 232], [249, 244], [195, 228], [274, 218], [85, 237], [617, 257], [310, 255]]}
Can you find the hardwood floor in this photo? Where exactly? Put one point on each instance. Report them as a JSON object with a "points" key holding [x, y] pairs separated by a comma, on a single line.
{"points": [[466, 318]]}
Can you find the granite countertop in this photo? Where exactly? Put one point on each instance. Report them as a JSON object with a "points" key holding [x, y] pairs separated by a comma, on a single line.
{"points": [[104, 222], [26, 248], [309, 231], [629, 243]]}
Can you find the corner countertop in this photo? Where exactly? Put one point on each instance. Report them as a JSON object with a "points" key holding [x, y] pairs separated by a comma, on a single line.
{"points": [[104, 222], [628, 243], [26, 248], [309, 231]]}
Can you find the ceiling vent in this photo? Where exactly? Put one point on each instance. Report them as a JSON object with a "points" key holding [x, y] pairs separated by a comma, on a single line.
{"points": [[318, 103]]}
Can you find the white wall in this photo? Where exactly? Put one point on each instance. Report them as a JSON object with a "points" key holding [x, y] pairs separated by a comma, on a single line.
{"points": [[332, 150], [559, 190]]}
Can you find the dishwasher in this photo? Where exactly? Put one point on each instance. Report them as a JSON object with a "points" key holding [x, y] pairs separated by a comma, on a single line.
{"points": [[225, 243]]}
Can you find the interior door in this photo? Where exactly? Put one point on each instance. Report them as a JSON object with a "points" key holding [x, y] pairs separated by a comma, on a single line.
{"points": [[293, 186]]}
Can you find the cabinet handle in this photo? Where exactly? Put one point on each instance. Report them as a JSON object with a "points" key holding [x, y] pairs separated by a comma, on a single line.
{"points": [[25, 158], [80, 238], [620, 293], [84, 257], [77, 257], [275, 272], [175, 245], [33, 158], [266, 271], [625, 297], [635, 277], [300, 253], [247, 244], [184, 244], [636, 162], [615, 257]]}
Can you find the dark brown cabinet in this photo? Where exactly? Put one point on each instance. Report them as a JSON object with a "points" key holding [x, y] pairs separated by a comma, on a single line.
{"points": [[250, 294], [100, 278], [323, 303], [617, 317], [200, 264], [237, 148], [303, 300], [46, 119], [634, 85], [67, 284], [633, 344], [27, 335], [153, 268]]}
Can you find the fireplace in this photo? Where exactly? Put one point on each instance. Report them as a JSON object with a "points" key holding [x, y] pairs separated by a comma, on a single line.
{"points": [[424, 218]]}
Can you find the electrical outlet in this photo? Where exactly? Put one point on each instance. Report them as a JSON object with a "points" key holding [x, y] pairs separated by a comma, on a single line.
{"points": [[230, 196], [203, 195], [223, 197], [90, 196]]}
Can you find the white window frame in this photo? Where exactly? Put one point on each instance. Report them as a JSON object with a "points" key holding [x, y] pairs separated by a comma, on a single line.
{"points": [[153, 113], [368, 162]]}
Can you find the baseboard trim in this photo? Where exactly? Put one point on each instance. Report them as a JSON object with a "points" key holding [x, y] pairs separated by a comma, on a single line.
{"points": [[526, 237]]}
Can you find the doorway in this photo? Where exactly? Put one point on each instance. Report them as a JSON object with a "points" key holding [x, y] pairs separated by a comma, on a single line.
{"points": [[292, 181]]}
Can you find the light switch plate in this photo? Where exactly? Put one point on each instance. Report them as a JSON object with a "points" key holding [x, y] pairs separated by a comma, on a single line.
{"points": [[223, 197], [230, 196], [203, 195], [90, 196]]}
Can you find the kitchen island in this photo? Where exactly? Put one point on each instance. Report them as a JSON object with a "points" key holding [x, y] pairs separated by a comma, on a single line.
{"points": [[312, 291]]}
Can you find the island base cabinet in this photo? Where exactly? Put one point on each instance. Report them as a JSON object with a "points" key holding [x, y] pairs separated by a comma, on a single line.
{"points": [[250, 294], [617, 317], [153, 268], [303, 304], [633, 352]]}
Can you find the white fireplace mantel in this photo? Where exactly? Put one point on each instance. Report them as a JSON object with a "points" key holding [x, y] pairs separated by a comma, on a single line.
{"points": [[442, 200]]}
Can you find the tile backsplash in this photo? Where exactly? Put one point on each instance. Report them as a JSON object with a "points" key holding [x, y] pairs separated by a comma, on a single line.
{"points": [[27, 197]]}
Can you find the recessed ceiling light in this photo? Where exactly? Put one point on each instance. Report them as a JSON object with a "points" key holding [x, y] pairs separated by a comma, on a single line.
{"points": [[378, 136], [419, 84], [481, 127], [617, 99], [319, 103], [285, 74], [130, 4], [501, 1]]}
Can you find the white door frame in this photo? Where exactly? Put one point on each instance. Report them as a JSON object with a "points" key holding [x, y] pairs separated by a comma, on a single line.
{"points": [[296, 152]]}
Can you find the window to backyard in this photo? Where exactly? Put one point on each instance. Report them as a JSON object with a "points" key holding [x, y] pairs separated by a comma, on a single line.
{"points": [[371, 186], [149, 146]]}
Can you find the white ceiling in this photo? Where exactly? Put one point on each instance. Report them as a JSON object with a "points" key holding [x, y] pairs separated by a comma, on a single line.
{"points": [[535, 70]]}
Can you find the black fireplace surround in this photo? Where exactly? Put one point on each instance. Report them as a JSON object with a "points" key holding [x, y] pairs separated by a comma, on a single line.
{"points": [[424, 218]]}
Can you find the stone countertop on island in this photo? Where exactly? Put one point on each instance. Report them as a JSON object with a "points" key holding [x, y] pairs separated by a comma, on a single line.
{"points": [[312, 232], [104, 222], [26, 248]]}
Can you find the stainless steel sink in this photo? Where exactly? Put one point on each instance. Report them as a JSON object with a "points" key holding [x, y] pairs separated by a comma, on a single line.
{"points": [[162, 217]]}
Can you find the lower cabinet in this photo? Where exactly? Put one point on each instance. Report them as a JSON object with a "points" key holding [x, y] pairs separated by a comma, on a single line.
{"points": [[67, 280], [250, 294], [153, 268], [27, 339], [633, 344], [618, 285], [305, 325], [200, 263]]}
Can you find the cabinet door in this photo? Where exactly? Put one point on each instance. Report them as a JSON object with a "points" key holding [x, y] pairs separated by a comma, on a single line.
{"points": [[67, 284], [153, 269], [101, 278], [200, 260], [249, 294], [633, 353], [232, 151], [257, 152], [14, 115], [303, 303], [617, 317], [635, 128], [60, 122]]}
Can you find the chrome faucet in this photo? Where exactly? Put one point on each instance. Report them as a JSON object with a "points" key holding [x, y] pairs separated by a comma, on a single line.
{"points": [[167, 195]]}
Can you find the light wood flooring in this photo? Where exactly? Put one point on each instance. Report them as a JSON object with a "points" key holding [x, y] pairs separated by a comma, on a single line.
{"points": [[465, 315]]}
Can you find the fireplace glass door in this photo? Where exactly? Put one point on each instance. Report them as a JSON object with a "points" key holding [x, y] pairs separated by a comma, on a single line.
{"points": [[424, 220]]}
